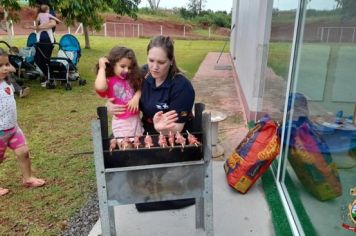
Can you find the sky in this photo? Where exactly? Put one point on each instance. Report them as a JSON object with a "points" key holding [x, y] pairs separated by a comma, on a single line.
{"points": [[226, 5], [215, 5], [313, 4]]}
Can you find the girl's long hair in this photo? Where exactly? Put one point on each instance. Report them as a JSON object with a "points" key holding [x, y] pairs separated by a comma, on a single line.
{"points": [[115, 55]]}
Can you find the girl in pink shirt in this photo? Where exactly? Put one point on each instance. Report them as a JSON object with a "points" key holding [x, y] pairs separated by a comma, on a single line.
{"points": [[119, 79]]}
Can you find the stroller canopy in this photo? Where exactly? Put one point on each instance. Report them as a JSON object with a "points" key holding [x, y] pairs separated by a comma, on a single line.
{"points": [[31, 40], [69, 43]]}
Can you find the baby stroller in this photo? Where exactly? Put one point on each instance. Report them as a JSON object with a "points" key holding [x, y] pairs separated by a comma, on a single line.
{"points": [[63, 67], [23, 59]]}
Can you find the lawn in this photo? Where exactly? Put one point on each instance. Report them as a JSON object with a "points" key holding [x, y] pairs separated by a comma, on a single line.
{"points": [[57, 126]]}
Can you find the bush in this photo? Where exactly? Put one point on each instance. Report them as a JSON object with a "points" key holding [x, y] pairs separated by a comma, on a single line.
{"points": [[219, 19]]}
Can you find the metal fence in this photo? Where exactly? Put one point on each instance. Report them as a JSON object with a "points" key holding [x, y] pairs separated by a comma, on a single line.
{"points": [[113, 29], [337, 34]]}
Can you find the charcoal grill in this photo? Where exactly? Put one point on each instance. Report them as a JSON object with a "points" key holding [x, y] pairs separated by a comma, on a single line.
{"points": [[154, 174]]}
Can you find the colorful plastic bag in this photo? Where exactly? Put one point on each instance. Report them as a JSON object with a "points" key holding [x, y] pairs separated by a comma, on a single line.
{"points": [[310, 158], [253, 155]]}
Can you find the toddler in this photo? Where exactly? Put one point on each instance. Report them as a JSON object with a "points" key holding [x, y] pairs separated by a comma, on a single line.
{"points": [[119, 79], [10, 133]]}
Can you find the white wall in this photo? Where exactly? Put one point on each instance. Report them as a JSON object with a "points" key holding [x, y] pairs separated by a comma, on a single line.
{"points": [[249, 47]]}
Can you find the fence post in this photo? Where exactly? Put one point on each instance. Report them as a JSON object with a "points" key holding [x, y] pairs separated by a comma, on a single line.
{"points": [[12, 28], [115, 30], [327, 37], [80, 27], [353, 35], [209, 32], [341, 31], [161, 30], [124, 30], [68, 29], [184, 31], [105, 32], [138, 30]]}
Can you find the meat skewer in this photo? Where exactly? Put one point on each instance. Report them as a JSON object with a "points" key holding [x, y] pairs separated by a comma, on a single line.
{"points": [[137, 142], [125, 143], [171, 139], [148, 141], [192, 140], [180, 139], [162, 140], [112, 145]]}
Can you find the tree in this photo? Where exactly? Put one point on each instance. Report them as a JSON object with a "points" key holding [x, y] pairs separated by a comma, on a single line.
{"points": [[348, 8], [88, 12], [153, 4], [8, 10], [196, 6]]}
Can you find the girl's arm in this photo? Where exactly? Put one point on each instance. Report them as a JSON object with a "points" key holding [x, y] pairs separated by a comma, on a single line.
{"points": [[132, 105], [101, 84]]}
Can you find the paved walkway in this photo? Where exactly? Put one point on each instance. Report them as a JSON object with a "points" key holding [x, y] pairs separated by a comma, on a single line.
{"points": [[234, 213]]}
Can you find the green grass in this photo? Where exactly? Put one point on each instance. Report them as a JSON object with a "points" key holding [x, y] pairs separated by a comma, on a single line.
{"points": [[205, 33], [279, 217], [279, 57], [57, 126]]}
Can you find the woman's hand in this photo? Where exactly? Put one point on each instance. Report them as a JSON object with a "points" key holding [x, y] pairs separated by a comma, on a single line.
{"points": [[115, 109], [165, 121]]}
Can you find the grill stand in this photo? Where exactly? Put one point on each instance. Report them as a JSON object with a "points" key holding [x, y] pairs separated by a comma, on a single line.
{"points": [[158, 182]]}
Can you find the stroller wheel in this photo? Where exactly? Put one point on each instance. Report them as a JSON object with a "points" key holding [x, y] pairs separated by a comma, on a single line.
{"points": [[50, 85], [67, 86], [82, 82]]}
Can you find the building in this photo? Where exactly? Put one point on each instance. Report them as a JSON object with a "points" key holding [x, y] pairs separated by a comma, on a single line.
{"points": [[294, 60]]}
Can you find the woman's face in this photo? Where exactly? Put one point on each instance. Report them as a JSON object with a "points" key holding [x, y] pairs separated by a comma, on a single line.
{"points": [[158, 63]]}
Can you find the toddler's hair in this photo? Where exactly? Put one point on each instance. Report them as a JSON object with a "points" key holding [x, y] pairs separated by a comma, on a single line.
{"points": [[43, 8], [115, 55]]}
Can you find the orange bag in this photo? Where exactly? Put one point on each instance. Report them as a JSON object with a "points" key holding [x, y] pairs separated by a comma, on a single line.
{"points": [[253, 155]]}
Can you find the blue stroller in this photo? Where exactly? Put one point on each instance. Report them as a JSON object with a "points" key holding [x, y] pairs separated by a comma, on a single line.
{"points": [[63, 68], [28, 52]]}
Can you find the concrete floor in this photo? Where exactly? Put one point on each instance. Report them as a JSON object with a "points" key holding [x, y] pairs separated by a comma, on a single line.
{"points": [[234, 213]]}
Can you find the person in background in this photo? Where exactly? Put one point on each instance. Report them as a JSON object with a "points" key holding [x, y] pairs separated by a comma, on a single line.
{"points": [[45, 43], [10, 133], [44, 17], [166, 102]]}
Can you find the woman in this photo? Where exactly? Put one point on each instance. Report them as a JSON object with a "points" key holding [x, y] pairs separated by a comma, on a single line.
{"points": [[166, 102], [45, 42]]}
